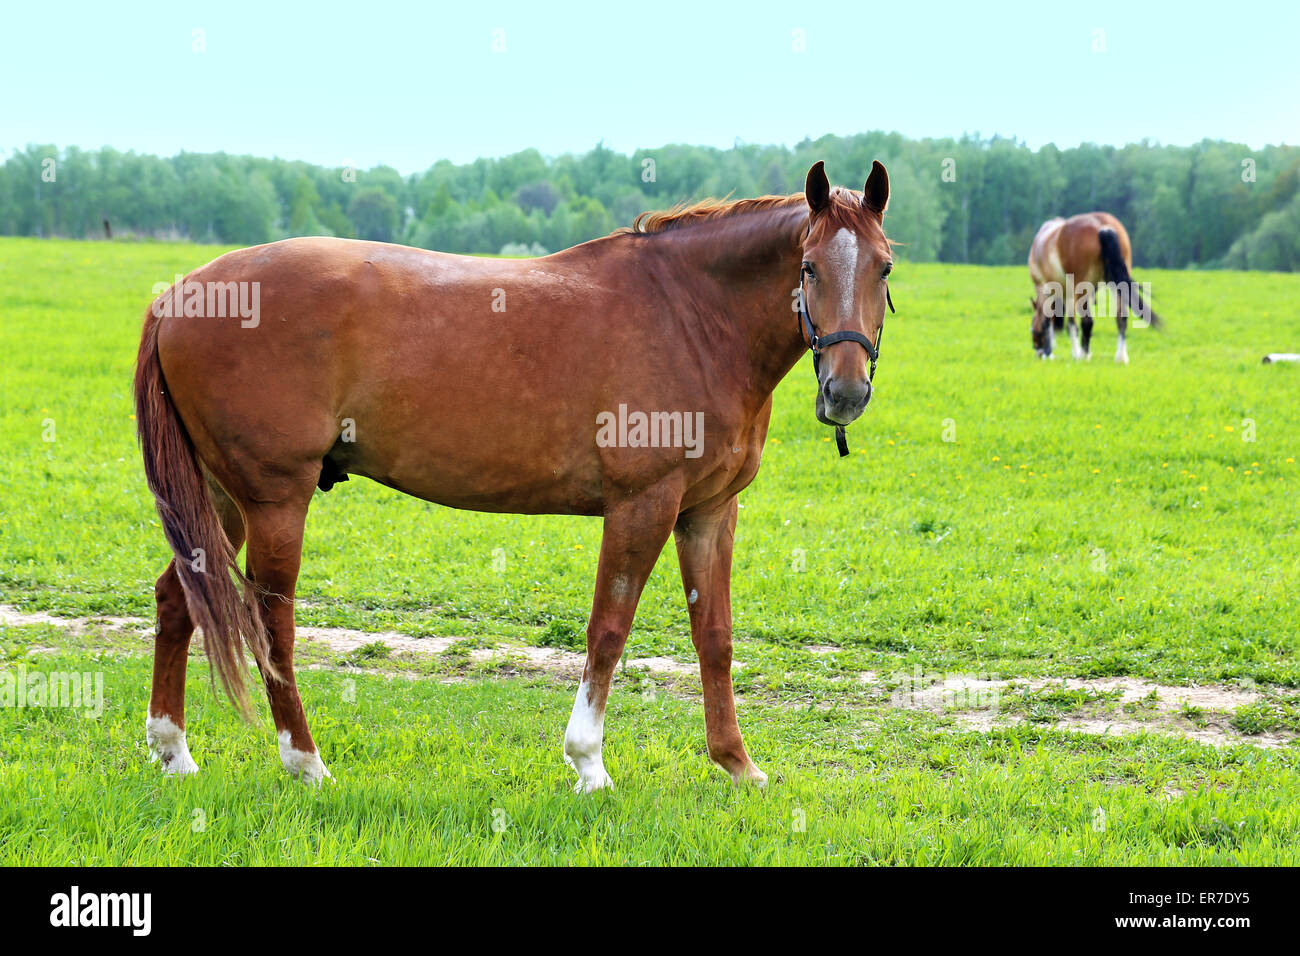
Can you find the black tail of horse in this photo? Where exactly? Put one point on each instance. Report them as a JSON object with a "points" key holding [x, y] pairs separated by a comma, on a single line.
{"points": [[1116, 272]]}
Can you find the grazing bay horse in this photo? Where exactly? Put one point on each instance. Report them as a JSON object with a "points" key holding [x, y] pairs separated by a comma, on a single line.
{"points": [[1069, 260], [490, 385]]}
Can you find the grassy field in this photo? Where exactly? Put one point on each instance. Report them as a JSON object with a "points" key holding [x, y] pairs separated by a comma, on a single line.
{"points": [[999, 516]]}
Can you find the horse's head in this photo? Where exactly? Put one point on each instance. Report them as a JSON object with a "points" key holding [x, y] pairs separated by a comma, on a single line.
{"points": [[1038, 327], [1048, 315], [846, 261]]}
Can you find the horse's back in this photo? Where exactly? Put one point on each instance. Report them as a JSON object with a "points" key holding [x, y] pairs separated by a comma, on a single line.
{"points": [[1072, 247]]}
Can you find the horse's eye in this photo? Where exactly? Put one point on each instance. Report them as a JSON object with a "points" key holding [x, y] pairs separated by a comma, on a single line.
{"points": [[884, 273], [808, 270]]}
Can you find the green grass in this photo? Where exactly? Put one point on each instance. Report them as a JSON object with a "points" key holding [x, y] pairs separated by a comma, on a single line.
{"points": [[1088, 521], [470, 773]]}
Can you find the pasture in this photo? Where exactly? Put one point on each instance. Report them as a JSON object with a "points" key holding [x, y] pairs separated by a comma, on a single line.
{"points": [[1106, 554]]}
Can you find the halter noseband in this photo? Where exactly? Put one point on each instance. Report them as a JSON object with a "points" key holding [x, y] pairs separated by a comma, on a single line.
{"points": [[818, 342]]}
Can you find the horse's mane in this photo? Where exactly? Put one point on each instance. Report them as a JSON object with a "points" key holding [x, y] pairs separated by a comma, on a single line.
{"points": [[846, 204]]}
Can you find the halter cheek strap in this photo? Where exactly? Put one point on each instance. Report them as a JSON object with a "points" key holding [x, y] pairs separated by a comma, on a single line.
{"points": [[819, 342]]}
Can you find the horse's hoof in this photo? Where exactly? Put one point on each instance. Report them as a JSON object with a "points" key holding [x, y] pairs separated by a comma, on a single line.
{"points": [[750, 775], [591, 773], [304, 766], [593, 782], [167, 746]]}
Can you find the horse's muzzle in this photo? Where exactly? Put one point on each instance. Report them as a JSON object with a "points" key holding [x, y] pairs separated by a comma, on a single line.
{"points": [[841, 402]]}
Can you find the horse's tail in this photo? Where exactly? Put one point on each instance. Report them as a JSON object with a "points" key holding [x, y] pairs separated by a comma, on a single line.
{"points": [[221, 600], [1116, 271]]}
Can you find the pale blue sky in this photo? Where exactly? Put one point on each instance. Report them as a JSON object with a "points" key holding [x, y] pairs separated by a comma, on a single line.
{"points": [[410, 83]]}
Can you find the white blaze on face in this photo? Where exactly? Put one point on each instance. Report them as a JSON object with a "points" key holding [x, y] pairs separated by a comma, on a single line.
{"points": [[842, 263], [307, 767], [167, 745], [582, 742]]}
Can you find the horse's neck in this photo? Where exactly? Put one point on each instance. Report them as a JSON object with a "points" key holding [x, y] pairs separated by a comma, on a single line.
{"points": [[751, 265]]}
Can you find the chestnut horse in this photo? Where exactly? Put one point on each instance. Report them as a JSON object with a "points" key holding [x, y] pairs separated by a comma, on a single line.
{"points": [[1069, 260], [489, 384]]}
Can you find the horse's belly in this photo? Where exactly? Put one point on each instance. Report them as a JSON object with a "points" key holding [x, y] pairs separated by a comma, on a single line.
{"points": [[560, 497], [482, 469]]}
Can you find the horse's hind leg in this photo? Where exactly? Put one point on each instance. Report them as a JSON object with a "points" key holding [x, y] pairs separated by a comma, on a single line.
{"points": [[165, 724], [704, 544], [274, 555], [634, 535]]}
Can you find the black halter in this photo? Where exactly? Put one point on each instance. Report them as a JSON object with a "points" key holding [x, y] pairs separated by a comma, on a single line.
{"points": [[818, 342]]}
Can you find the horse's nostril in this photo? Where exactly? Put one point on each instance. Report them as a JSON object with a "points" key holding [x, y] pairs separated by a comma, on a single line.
{"points": [[827, 391]]}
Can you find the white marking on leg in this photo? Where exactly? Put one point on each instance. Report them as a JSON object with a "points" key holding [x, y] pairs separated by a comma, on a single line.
{"points": [[1075, 347], [1121, 351], [305, 766], [582, 743], [750, 774], [167, 746]]}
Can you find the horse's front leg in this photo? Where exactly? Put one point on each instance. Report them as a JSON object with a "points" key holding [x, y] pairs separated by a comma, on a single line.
{"points": [[704, 543], [634, 535]]}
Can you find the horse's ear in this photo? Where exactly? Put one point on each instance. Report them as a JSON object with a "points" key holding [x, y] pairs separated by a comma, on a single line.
{"points": [[875, 194], [817, 188]]}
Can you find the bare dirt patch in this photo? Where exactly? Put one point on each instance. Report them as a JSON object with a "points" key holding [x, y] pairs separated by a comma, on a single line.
{"points": [[1201, 713], [345, 641], [12, 617]]}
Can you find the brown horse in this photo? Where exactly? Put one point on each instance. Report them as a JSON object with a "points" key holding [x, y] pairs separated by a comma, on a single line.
{"points": [[1069, 261], [493, 385]]}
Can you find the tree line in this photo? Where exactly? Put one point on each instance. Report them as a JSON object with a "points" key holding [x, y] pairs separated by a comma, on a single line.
{"points": [[1211, 205]]}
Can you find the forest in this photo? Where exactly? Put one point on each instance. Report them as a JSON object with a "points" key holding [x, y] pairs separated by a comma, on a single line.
{"points": [[970, 200]]}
